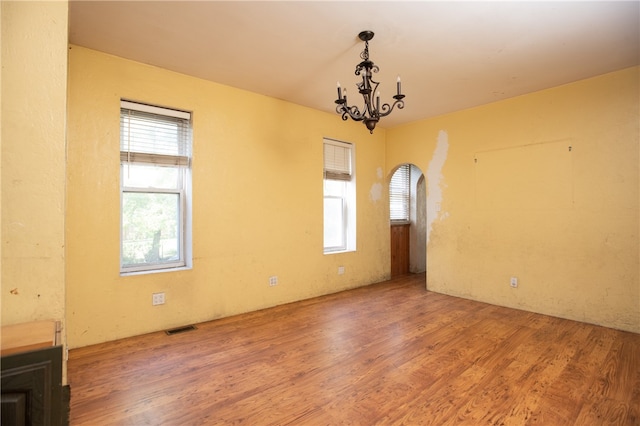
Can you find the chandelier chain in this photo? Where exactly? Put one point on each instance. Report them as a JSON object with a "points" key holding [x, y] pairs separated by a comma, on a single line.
{"points": [[364, 55]]}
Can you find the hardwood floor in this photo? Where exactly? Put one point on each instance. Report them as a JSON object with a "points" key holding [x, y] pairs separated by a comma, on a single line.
{"points": [[387, 354]]}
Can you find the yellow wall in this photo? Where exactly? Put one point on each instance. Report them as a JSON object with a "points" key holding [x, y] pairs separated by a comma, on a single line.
{"points": [[257, 203], [34, 90], [543, 187], [506, 196]]}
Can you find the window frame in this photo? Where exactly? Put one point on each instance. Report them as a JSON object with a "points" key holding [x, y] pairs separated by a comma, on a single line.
{"points": [[182, 163], [345, 175], [403, 196]]}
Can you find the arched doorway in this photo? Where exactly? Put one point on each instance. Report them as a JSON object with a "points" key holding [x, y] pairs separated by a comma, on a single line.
{"points": [[408, 220]]}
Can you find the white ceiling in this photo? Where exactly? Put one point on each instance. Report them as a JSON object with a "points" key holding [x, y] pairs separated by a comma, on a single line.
{"points": [[451, 55]]}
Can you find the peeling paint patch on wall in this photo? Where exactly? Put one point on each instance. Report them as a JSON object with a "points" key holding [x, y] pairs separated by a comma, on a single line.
{"points": [[434, 178], [375, 193]]}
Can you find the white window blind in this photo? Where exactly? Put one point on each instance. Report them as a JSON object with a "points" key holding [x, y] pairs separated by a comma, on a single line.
{"points": [[399, 195], [155, 135], [337, 160]]}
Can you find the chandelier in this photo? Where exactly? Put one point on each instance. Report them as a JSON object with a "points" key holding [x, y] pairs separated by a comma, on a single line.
{"points": [[372, 110]]}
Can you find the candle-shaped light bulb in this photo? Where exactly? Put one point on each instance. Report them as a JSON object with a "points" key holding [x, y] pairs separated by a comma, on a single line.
{"points": [[378, 101], [339, 91], [398, 85]]}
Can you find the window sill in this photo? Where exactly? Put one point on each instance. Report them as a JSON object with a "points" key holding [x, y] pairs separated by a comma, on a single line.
{"points": [[154, 271], [340, 251]]}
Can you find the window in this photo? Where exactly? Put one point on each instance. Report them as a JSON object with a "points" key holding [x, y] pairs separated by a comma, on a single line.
{"points": [[155, 180], [339, 197], [399, 194]]}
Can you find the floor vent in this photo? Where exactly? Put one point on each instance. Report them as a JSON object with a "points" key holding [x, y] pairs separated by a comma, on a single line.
{"points": [[180, 330]]}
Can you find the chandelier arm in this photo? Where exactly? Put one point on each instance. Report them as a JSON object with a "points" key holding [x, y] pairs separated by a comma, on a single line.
{"points": [[352, 112], [368, 106], [374, 93], [355, 113], [386, 108]]}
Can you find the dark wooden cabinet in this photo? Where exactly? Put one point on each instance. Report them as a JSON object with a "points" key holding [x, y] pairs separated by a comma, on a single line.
{"points": [[32, 391]]}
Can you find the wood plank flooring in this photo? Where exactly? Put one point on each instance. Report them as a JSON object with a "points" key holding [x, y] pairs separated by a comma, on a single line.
{"points": [[386, 354]]}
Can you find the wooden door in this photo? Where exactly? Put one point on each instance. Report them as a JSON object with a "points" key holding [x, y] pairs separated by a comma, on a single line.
{"points": [[399, 249]]}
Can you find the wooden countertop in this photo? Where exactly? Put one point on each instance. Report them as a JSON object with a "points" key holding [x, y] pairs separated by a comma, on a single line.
{"points": [[27, 336]]}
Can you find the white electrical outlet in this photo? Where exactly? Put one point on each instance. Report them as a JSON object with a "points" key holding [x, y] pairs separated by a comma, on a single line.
{"points": [[157, 299], [273, 281], [514, 282], [340, 270]]}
